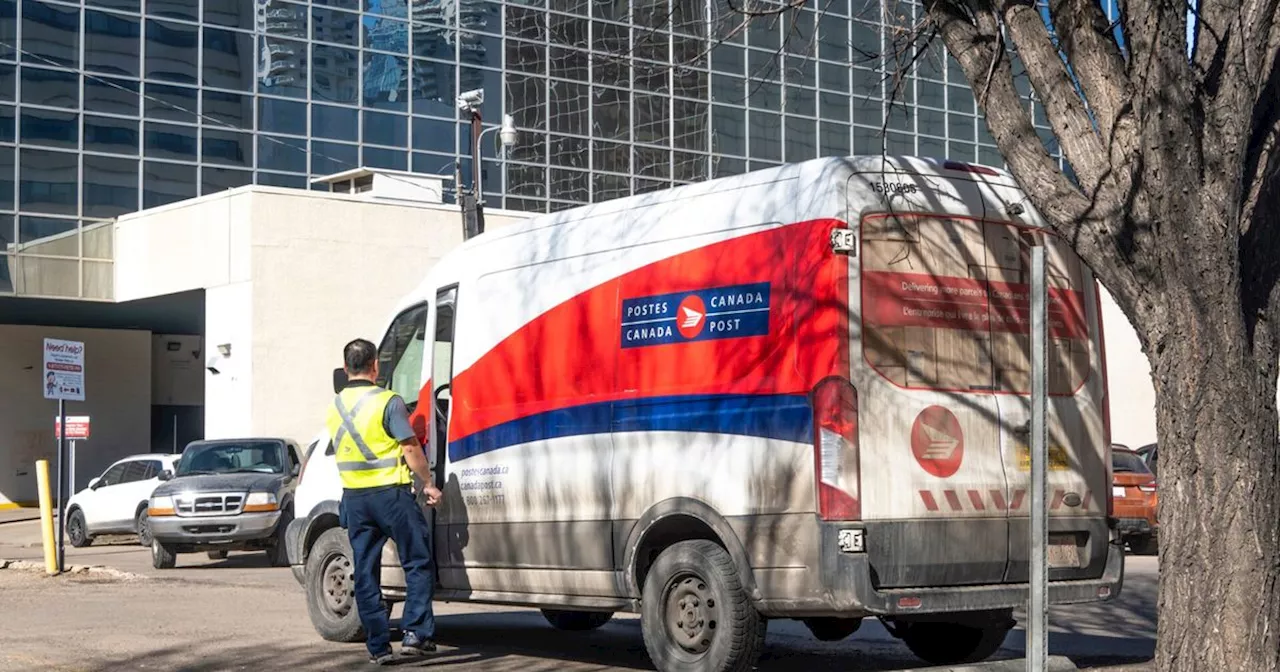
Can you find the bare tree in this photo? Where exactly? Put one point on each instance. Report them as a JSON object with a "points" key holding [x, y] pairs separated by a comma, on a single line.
{"points": [[1174, 200]]}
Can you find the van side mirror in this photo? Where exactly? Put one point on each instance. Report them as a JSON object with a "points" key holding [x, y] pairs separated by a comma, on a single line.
{"points": [[339, 380], [166, 475]]}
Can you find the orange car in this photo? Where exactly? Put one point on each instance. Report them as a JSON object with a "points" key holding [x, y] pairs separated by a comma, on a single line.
{"points": [[1133, 496]]}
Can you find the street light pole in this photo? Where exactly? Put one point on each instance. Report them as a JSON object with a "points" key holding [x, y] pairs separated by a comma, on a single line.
{"points": [[477, 195]]}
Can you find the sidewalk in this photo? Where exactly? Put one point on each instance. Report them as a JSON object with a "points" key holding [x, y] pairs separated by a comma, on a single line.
{"points": [[18, 515]]}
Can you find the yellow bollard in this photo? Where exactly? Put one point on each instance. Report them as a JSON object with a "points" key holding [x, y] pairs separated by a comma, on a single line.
{"points": [[46, 517]]}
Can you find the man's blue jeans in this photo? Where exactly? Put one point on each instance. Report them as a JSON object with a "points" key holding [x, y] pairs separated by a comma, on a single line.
{"points": [[371, 517]]}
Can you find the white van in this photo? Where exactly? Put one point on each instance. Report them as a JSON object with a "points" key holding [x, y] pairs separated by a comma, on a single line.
{"points": [[796, 393]]}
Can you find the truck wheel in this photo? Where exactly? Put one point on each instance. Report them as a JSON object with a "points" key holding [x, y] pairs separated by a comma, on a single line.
{"points": [[77, 531], [143, 527], [217, 555], [695, 614], [953, 643], [331, 588], [278, 553], [832, 629], [161, 556], [1144, 545], [576, 621]]}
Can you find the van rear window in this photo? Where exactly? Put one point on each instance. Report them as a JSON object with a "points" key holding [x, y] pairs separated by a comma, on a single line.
{"points": [[946, 305]]}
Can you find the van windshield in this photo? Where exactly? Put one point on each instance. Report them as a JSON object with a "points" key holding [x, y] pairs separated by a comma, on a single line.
{"points": [[946, 304]]}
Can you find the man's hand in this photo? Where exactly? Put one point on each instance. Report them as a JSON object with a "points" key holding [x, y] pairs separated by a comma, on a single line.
{"points": [[433, 494]]}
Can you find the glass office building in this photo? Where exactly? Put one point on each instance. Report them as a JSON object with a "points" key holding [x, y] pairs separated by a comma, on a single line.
{"points": [[110, 106]]}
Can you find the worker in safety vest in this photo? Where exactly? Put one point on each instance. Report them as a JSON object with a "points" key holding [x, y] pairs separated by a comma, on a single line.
{"points": [[376, 449]]}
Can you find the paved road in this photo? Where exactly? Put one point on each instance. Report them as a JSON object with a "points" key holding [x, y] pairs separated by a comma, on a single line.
{"points": [[240, 614]]}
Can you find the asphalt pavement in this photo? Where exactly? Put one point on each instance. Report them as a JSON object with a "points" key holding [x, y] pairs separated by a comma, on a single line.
{"points": [[239, 613]]}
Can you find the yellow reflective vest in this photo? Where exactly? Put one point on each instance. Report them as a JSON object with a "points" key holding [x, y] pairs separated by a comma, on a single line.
{"points": [[368, 457]]}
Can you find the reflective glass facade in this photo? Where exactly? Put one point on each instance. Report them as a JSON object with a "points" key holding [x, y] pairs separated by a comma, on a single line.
{"points": [[109, 106]]}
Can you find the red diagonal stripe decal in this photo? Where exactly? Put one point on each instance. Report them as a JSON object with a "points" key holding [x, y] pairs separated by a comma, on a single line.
{"points": [[929, 502], [998, 498], [1057, 500], [976, 497], [1018, 495], [954, 500]]}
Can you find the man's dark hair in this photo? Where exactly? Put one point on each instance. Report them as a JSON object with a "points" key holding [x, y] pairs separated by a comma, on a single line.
{"points": [[359, 356]]}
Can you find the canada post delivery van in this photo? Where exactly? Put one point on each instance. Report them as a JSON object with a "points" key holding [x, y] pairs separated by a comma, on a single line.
{"points": [[797, 393]]}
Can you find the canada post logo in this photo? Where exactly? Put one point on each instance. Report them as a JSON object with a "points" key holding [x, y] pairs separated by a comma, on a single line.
{"points": [[735, 311]]}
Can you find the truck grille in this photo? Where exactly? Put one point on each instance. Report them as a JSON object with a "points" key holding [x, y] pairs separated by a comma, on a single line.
{"points": [[209, 505]]}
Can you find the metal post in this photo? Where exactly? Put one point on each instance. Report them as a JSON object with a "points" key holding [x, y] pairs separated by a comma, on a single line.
{"points": [[61, 514], [71, 469], [1038, 610], [476, 186]]}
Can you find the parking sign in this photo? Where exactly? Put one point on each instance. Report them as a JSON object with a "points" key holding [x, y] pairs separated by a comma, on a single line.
{"points": [[63, 370]]}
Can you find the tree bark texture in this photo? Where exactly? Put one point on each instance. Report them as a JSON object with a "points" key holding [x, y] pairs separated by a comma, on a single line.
{"points": [[1175, 205]]}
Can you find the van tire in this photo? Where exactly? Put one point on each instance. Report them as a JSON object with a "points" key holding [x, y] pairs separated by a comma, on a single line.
{"points": [[954, 643], [697, 579], [576, 621], [832, 629], [329, 567]]}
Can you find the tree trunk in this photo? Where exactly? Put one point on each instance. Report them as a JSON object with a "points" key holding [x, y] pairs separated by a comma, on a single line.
{"points": [[1219, 490]]}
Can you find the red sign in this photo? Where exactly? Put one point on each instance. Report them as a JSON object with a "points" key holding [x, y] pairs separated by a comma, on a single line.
{"points": [[77, 427], [919, 300], [937, 441]]}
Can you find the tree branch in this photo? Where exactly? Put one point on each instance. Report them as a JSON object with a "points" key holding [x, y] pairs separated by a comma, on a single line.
{"points": [[1055, 89], [1085, 35]]}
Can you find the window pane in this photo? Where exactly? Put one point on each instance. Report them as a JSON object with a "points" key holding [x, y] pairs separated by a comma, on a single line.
{"points": [[8, 28], [334, 73], [690, 121], [729, 130], [49, 182], [172, 52], [332, 157], [339, 123], [227, 148], [110, 186], [113, 96], [611, 113], [52, 129], [432, 85], [7, 163], [390, 159], [164, 183], [230, 108], [228, 59], [329, 25], [569, 105], [651, 119], [111, 43], [801, 141], [283, 19], [51, 234], [222, 179], [8, 81], [287, 154], [386, 80], [433, 135], [168, 141], [834, 139], [174, 9], [766, 136], [282, 67], [57, 88], [278, 180], [110, 135], [386, 129], [234, 13], [8, 119], [400, 356], [50, 34], [383, 34], [171, 103], [282, 116]]}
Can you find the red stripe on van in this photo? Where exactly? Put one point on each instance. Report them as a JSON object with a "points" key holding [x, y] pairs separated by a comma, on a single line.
{"points": [[1018, 496], [954, 500], [929, 502], [975, 496], [998, 497], [1058, 496]]}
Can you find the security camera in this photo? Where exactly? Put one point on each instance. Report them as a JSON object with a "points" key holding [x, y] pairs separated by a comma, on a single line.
{"points": [[213, 363], [471, 99]]}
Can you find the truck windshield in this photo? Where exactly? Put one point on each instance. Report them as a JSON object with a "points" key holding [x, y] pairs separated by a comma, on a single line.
{"points": [[265, 457]]}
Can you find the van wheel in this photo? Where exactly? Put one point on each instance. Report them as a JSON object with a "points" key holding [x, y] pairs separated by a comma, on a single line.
{"points": [[952, 643], [832, 629], [162, 557], [695, 614], [331, 588], [576, 621]]}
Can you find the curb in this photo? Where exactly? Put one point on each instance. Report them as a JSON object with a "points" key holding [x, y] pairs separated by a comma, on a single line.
{"points": [[25, 566], [1056, 664]]}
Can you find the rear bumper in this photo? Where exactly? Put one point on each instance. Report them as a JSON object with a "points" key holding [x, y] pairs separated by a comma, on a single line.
{"points": [[848, 581], [214, 530], [1137, 527]]}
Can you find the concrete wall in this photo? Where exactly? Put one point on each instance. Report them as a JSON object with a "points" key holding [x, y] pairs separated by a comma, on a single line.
{"points": [[230, 393], [118, 399], [1133, 399], [177, 370]]}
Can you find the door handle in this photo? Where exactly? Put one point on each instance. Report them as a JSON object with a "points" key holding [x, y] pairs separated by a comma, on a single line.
{"points": [[1022, 430]]}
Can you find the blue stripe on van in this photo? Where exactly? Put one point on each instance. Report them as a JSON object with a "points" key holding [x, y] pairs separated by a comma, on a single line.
{"points": [[783, 417]]}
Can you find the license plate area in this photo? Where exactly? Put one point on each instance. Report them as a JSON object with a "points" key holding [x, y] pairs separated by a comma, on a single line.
{"points": [[1066, 550], [1117, 491]]}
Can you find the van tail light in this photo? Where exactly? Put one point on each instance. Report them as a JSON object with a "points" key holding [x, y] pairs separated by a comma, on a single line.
{"points": [[836, 459], [1148, 488]]}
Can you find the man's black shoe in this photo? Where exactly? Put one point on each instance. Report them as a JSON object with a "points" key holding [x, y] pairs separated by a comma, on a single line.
{"points": [[383, 658], [413, 645]]}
